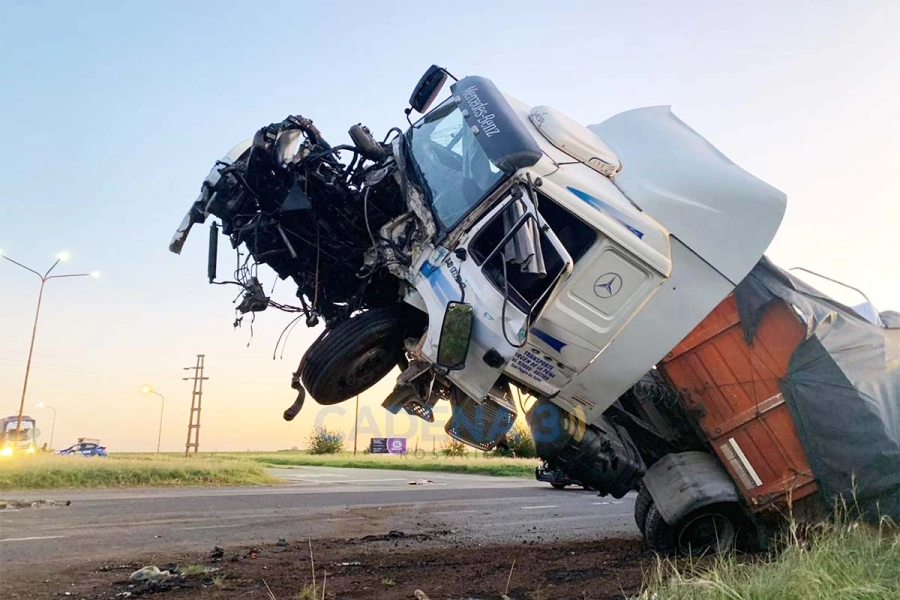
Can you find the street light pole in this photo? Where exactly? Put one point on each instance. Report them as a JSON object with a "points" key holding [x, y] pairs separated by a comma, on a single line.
{"points": [[53, 426], [356, 426], [162, 406], [37, 313]]}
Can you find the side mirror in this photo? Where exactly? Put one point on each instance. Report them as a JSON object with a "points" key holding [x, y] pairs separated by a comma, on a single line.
{"points": [[427, 89], [456, 332]]}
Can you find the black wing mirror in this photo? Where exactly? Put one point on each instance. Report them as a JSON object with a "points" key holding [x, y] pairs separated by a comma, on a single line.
{"points": [[427, 89], [456, 332]]}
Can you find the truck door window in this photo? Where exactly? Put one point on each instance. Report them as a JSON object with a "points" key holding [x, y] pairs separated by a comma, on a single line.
{"points": [[575, 235], [527, 288]]}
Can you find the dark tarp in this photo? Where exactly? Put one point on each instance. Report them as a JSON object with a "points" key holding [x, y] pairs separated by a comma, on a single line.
{"points": [[842, 388]]}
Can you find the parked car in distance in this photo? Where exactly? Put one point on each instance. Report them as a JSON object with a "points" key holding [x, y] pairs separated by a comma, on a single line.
{"points": [[84, 447], [555, 476]]}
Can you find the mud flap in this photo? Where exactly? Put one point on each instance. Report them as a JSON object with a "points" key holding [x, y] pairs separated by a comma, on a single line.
{"points": [[681, 483]]}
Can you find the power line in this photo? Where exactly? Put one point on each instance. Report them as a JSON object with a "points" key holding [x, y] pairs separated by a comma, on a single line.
{"points": [[196, 397]]}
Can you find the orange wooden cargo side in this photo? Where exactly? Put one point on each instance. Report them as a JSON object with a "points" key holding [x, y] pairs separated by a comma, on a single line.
{"points": [[732, 389]]}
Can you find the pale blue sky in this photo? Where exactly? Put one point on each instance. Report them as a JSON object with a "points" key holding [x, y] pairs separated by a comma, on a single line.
{"points": [[113, 112]]}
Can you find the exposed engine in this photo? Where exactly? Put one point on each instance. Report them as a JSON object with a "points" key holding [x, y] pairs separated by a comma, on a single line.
{"points": [[295, 206]]}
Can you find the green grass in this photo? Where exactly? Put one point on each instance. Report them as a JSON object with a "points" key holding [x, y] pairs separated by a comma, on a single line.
{"points": [[475, 463], [57, 472], [238, 468], [845, 561]]}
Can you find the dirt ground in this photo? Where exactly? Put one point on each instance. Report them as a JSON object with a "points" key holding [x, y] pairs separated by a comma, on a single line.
{"points": [[390, 566]]}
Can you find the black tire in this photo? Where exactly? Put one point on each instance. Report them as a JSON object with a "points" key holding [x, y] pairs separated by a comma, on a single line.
{"points": [[660, 535], [641, 507], [558, 486], [354, 356], [712, 529]]}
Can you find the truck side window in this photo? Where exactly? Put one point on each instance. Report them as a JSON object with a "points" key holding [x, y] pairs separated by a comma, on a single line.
{"points": [[575, 235], [526, 287]]}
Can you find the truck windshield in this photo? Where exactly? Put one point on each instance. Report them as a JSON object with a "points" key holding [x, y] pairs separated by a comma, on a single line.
{"points": [[450, 164]]}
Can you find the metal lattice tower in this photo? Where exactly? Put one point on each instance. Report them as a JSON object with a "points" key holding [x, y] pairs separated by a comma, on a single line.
{"points": [[196, 397]]}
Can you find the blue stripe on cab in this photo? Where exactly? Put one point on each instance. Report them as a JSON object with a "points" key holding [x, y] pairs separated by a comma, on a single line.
{"points": [[611, 211]]}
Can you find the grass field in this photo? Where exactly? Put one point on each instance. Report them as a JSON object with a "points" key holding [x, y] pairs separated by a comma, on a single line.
{"points": [[474, 463], [238, 468], [47, 472], [846, 561]]}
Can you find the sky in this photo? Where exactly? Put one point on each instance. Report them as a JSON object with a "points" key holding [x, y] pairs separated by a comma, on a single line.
{"points": [[112, 113]]}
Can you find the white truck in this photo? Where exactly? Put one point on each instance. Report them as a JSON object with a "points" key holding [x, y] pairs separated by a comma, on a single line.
{"points": [[496, 245]]}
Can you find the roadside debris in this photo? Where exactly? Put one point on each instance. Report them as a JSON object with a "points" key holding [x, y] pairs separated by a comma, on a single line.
{"points": [[390, 535], [421, 482], [281, 542], [17, 504], [124, 567], [150, 574], [217, 553]]}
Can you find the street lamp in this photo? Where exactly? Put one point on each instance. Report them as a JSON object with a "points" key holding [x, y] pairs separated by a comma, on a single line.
{"points": [[149, 390], [53, 426], [61, 257]]}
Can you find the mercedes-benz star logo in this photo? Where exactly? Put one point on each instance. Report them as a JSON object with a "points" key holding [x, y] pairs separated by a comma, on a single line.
{"points": [[608, 285]]}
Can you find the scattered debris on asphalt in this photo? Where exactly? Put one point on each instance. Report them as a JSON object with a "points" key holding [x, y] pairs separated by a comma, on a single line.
{"points": [[19, 504], [420, 482], [217, 553]]}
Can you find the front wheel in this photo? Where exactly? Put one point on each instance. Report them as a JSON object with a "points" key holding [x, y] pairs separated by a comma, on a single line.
{"points": [[354, 356]]}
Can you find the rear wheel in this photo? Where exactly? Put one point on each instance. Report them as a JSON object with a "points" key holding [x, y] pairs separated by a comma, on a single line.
{"points": [[641, 507], [660, 535], [709, 530], [354, 356]]}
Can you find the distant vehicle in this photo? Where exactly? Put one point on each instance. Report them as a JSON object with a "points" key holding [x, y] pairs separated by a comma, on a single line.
{"points": [[555, 476], [28, 434], [84, 447]]}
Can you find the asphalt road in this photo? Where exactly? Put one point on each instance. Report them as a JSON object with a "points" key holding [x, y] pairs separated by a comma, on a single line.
{"points": [[315, 502]]}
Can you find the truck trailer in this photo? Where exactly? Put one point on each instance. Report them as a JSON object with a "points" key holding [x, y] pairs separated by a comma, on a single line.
{"points": [[614, 272]]}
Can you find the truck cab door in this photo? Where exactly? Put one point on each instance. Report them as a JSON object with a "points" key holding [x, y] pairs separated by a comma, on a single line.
{"points": [[509, 264]]}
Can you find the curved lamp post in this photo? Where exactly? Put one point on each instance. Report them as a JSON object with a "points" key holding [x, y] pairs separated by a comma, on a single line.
{"points": [[61, 257], [162, 405]]}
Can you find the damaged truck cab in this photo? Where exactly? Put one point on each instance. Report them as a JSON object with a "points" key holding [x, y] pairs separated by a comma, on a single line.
{"points": [[576, 290]]}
